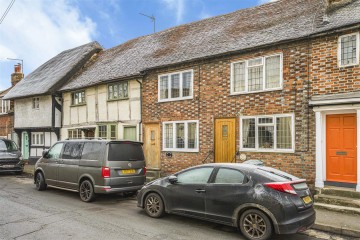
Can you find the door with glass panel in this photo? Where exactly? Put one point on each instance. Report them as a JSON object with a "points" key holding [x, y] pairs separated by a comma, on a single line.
{"points": [[224, 139], [152, 145]]}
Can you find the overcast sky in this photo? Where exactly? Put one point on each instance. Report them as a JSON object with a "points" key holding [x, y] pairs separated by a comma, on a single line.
{"points": [[37, 30]]}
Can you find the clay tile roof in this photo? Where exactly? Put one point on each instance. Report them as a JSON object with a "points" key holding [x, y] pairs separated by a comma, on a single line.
{"points": [[50, 76], [4, 92]]}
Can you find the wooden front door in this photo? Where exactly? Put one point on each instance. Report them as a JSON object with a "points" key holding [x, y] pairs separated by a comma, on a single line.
{"points": [[341, 149], [152, 146], [224, 139]]}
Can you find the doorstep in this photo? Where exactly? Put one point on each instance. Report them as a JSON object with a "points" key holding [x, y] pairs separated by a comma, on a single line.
{"points": [[337, 223]]}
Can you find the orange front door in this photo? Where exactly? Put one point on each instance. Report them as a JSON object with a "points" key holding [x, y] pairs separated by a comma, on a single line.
{"points": [[341, 148]]}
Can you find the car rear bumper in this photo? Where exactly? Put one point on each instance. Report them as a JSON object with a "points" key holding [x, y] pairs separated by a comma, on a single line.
{"points": [[299, 224], [108, 189]]}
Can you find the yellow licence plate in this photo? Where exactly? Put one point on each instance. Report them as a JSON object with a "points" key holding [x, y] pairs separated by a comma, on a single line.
{"points": [[128, 171], [307, 199]]}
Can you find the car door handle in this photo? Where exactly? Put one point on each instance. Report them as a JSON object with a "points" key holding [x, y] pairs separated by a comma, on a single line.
{"points": [[200, 190]]}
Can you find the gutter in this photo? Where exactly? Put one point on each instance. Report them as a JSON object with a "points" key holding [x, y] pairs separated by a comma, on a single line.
{"points": [[141, 107]]}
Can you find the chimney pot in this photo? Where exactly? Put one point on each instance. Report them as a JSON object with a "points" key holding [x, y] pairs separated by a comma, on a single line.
{"points": [[17, 68]]}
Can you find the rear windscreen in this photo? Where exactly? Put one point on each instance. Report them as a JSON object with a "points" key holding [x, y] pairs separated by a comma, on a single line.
{"points": [[6, 145], [275, 175], [125, 152]]}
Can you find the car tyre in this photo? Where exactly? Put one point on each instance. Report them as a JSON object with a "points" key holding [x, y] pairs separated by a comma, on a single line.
{"points": [[40, 182], [86, 191], [254, 224], [154, 205]]}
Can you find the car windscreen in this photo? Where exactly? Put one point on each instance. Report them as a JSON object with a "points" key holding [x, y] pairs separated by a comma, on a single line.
{"points": [[8, 146], [125, 152], [275, 175]]}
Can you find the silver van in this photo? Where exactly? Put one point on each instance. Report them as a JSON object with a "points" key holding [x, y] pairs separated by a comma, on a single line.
{"points": [[91, 167]]}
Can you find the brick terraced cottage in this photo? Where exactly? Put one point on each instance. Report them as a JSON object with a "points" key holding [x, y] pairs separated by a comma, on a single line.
{"points": [[335, 96], [38, 106], [7, 107], [237, 87], [229, 88]]}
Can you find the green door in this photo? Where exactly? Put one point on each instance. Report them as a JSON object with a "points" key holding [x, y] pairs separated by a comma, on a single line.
{"points": [[130, 133], [25, 145]]}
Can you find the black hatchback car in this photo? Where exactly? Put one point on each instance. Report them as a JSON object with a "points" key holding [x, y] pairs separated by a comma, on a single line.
{"points": [[10, 157], [258, 200]]}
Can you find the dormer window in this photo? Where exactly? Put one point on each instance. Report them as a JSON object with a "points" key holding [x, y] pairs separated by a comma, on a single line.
{"points": [[175, 86], [36, 103], [348, 50]]}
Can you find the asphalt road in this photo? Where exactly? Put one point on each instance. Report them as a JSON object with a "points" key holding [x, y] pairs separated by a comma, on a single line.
{"points": [[55, 214]]}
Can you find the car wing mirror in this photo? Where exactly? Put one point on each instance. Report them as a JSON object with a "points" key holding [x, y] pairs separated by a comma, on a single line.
{"points": [[45, 153], [173, 179]]}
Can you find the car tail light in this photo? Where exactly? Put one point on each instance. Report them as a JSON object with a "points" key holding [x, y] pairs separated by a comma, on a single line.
{"points": [[105, 172], [283, 186], [145, 170]]}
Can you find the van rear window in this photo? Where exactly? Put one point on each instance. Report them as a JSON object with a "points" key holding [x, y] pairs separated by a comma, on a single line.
{"points": [[125, 152]]}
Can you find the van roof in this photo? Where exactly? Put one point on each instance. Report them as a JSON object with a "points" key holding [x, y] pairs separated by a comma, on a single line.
{"points": [[101, 140]]}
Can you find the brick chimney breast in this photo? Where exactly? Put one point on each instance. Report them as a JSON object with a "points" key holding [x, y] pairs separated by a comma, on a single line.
{"points": [[17, 75], [332, 5]]}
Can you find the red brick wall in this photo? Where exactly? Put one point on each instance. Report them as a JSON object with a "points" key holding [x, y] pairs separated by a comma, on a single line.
{"points": [[212, 100], [6, 124], [327, 77]]}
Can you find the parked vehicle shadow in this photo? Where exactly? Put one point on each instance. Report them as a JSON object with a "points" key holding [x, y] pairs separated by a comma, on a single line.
{"points": [[100, 199], [229, 231]]}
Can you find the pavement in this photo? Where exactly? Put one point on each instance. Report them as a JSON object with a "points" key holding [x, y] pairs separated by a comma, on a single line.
{"points": [[326, 221]]}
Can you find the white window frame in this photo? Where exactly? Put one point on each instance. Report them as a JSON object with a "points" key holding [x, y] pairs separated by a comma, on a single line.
{"points": [[41, 136], [34, 101], [357, 50], [5, 106], [170, 99], [246, 61], [275, 149], [185, 149]]}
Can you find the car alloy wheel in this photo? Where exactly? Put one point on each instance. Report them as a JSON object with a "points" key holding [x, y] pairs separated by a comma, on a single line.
{"points": [[40, 182], [154, 205], [86, 191], [255, 225]]}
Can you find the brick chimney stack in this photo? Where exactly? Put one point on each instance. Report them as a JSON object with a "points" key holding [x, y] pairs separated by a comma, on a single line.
{"points": [[335, 4], [17, 75]]}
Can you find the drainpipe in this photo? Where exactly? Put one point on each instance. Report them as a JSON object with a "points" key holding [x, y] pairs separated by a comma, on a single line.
{"points": [[140, 123]]}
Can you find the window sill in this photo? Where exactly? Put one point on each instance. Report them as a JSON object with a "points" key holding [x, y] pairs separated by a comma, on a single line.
{"points": [[117, 99], [267, 150], [175, 99], [181, 150], [260, 91], [349, 65], [78, 105]]}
